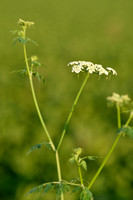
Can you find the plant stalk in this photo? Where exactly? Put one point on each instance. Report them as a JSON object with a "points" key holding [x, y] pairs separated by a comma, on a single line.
{"points": [[59, 171], [39, 113], [71, 111], [33, 93], [129, 119], [104, 162], [80, 175], [111, 149], [118, 115]]}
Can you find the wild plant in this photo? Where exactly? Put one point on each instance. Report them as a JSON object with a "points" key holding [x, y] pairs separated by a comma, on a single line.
{"points": [[122, 103]]}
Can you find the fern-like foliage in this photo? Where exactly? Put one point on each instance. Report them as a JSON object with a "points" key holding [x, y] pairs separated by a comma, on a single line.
{"points": [[86, 194], [63, 187], [81, 160], [36, 147]]}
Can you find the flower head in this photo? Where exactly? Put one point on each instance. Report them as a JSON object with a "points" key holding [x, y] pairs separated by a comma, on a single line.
{"points": [[101, 70], [85, 66], [21, 22], [77, 68], [117, 99], [34, 58], [111, 70]]}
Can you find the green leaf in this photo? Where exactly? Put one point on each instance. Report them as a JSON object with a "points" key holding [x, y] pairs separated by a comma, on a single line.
{"points": [[78, 151], [38, 75], [30, 40], [35, 147], [86, 194], [75, 180], [14, 31], [36, 189], [128, 130], [20, 39], [92, 157], [76, 189], [72, 160], [48, 145], [48, 187], [62, 188], [36, 63], [83, 164], [22, 71], [41, 188], [130, 134]]}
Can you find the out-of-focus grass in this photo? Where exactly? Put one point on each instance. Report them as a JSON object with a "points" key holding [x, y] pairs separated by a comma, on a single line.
{"points": [[97, 31]]}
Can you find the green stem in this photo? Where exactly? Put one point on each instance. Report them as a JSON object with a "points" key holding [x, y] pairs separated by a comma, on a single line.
{"points": [[80, 175], [33, 93], [71, 111], [111, 149], [39, 113], [129, 119], [59, 171], [118, 115], [104, 162]]}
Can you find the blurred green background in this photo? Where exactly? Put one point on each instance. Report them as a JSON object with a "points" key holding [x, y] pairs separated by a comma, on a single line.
{"points": [[96, 31]]}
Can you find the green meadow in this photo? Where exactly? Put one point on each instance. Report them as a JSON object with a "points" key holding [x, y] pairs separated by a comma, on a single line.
{"points": [[97, 31]]}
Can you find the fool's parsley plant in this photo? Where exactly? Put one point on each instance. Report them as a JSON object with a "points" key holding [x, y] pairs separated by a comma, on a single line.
{"points": [[122, 103]]}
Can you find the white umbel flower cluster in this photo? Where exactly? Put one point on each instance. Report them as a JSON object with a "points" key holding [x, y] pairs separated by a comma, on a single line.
{"points": [[81, 66], [116, 98]]}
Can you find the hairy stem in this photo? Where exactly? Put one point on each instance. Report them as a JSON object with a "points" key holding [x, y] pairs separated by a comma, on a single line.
{"points": [[71, 111], [111, 149]]}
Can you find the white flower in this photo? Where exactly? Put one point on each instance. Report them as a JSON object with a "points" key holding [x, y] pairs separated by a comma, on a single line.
{"points": [[116, 98], [125, 98], [101, 70], [85, 63], [77, 68], [91, 69], [73, 63], [111, 70]]}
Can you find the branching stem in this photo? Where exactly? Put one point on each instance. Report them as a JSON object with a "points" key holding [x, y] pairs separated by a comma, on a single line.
{"points": [[39, 113], [33, 93], [80, 175], [29, 71]]}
